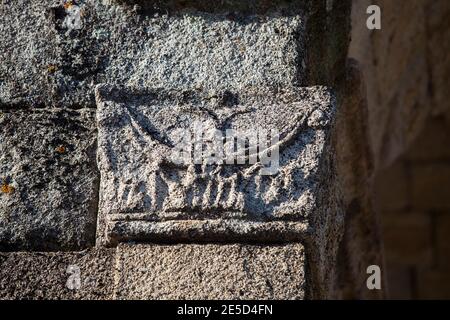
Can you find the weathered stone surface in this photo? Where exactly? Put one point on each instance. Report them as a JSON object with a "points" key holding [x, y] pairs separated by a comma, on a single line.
{"points": [[397, 83], [210, 272], [361, 245], [53, 275], [54, 55], [48, 199], [146, 195], [235, 64]]}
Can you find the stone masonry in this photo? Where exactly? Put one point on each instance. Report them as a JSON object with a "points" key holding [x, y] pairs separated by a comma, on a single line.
{"points": [[409, 125], [92, 94]]}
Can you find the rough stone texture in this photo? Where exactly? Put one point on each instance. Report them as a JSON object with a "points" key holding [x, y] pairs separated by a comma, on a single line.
{"points": [[177, 56], [144, 192], [26, 275], [54, 56], [145, 196], [48, 199], [210, 272], [48, 62], [406, 69], [361, 242]]}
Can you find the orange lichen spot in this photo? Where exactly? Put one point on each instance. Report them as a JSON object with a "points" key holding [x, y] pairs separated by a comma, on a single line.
{"points": [[60, 149], [6, 188], [68, 4], [52, 68]]}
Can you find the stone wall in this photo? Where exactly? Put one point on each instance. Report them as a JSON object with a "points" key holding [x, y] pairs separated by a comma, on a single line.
{"points": [[407, 70], [92, 94], [413, 198]]}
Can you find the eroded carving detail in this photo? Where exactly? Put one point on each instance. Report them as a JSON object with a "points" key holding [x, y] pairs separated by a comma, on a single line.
{"points": [[141, 184]]}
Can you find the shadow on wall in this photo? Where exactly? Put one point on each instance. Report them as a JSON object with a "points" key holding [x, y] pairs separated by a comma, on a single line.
{"points": [[413, 197], [406, 66]]}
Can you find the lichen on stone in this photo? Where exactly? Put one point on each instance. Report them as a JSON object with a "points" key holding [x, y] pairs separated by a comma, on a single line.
{"points": [[68, 4], [52, 68], [7, 188], [61, 149]]}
